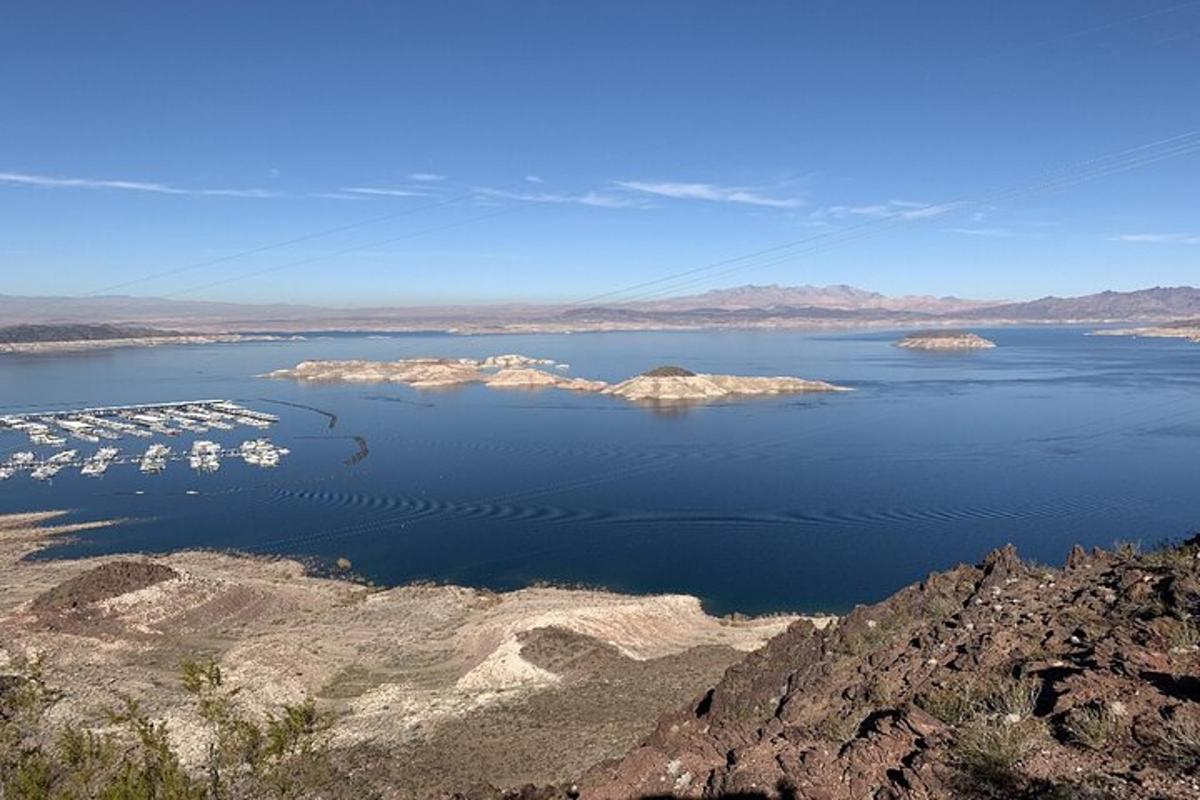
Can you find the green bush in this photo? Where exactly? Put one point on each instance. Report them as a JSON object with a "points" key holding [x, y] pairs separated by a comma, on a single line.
{"points": [[285, 756]]}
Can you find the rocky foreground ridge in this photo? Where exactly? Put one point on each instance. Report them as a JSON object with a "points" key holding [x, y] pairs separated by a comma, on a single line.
{"points": [[661, 384], [1003, 680]]}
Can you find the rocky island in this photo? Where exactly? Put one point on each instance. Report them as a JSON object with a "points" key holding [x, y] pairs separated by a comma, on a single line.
{"points": [[665, 384], [945, 341], [675, 384]]}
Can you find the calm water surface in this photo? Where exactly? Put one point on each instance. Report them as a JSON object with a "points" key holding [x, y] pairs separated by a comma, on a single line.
{"points": [[798, 503]]}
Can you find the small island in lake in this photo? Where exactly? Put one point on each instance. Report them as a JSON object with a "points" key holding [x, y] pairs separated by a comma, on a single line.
{"points": [[673, 384], [945, 340], [661, 384]]}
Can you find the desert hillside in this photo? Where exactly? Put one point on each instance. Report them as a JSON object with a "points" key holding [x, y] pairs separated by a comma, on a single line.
{"points": [[1005, 680]]}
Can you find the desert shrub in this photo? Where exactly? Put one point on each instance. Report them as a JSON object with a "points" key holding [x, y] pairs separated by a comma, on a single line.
{"points": [[286, 755], [960, 701], [988, 750], [953, 703], [136, 763], [1091, 726], [838, 728], [1012, 698], [1182, 635], [1181, 742]]}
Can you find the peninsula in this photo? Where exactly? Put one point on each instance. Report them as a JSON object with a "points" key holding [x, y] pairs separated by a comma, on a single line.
{"points": [[78, 337], [662, 384], [1184, 329], [944, 341]]}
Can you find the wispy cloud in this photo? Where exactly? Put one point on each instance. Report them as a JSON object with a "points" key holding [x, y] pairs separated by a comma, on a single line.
{"points": [[1159, 238], [57, 182], [533, 179], [598, 199], [426, 177], [335, 196], [990, 233], [892, 209], [383, 191], [711, 192]]}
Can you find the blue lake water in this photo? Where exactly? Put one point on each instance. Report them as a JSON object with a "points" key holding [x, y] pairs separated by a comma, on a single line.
{"points": [[813, 502]]}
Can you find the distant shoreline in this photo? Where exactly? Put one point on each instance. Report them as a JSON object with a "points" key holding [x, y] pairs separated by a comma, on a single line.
{"points": [[232, 336], [83, 345]]}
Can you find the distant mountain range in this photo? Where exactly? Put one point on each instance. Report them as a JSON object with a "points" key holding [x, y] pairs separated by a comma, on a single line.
{"points": [[743, 306], [837, 296], [1158, 303]]}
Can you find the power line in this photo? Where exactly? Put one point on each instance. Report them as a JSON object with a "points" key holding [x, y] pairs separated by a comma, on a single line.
{"points": [[343, 251], [1057, 178]]}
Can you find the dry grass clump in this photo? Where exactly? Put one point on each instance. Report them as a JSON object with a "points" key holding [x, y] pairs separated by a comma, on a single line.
{"points": [[989, 749], [1181, 742], [1092, 726], [958, 702], [993, 725]]}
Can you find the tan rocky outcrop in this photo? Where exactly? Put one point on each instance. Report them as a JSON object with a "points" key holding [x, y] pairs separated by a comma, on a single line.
{"points": [[680, 388], [527, 378]]}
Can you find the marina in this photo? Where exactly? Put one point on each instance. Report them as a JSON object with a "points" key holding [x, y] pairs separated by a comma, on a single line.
{"points": [[55, 428], [108, 424]]}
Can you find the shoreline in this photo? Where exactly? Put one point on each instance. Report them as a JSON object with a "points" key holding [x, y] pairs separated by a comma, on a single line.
{"points": [[229, 334], [536, 684], [86, 345]]}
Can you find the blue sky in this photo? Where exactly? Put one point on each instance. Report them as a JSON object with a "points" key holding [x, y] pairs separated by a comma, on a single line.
{"points": [[555, 151]]}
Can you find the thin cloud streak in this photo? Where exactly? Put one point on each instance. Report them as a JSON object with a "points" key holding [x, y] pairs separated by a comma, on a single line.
{"points": [[892, 209], [1158, 238], [710, 192], [426, 177], [55, 182], [383, 191], [990, 233], [596, 199]]}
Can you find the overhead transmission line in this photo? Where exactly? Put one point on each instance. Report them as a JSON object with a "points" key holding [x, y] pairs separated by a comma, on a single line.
{"points": [[1051, 180]]}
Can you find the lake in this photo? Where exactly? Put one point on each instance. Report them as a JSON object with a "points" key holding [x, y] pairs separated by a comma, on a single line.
{"points": [[799, 503]]}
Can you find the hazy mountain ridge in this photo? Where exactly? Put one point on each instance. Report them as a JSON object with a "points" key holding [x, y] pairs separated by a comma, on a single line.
{"points": [[1158, 302], [834, 296], [744, 306]]}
